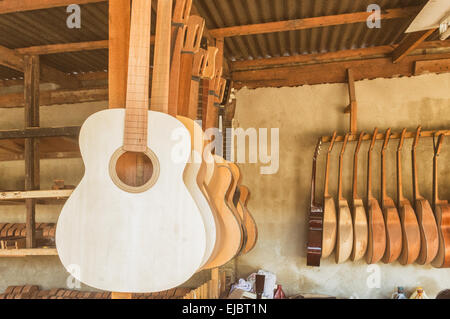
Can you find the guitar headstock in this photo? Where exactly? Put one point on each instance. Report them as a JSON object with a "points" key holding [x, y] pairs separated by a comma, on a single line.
{"points": [[374, 138], [387, 136], [210, 68], [317, 151], [194, 32], [182, 11], [402, 139], [416, 138], [200, 63]]}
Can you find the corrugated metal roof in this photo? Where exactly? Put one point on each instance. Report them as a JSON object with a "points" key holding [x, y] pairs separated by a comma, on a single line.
{"points": [[220, 14], [42, 27]]}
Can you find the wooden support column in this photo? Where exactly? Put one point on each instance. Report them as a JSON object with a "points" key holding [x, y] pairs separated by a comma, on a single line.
{"points": [[215, 288], [31, 94], [353, 106], [119, 38]]}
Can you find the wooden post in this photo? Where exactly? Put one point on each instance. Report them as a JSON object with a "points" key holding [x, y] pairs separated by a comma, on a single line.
{"points": [[119, 38], [353, 106], [31, 152], [215, 283]]}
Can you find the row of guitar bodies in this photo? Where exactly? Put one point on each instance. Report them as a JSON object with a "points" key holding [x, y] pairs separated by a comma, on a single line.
{"points": [[380, 231]]}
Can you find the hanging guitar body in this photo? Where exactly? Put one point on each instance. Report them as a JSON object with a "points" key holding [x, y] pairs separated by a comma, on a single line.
{"points": [[125, 238]]}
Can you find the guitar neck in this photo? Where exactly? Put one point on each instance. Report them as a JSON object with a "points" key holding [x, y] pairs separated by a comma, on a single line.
{"points": [[135, 136], [161, 65]]}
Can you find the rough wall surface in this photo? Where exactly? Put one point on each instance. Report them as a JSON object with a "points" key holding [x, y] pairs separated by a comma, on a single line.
{"points": [[280, 202]]}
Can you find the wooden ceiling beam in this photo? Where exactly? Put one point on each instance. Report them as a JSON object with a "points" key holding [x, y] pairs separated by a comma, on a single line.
{"points": [[309, 23], [379, 51], [334, 72], [10, 6], [15, 61], [410, 42], [57, 97], [64, 47]]}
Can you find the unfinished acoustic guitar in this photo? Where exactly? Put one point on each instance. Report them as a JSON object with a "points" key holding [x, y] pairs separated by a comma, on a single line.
{"points": [[146, 243]]}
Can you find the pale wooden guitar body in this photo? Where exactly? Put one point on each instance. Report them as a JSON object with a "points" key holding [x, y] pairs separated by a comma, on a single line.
{"points": [[442, 213], [249, 221], [124, 241], [230, 237], [190, 178]]}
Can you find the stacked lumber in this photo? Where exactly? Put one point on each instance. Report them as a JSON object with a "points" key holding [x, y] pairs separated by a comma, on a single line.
{"points": [[13, 235], [34, 292]]}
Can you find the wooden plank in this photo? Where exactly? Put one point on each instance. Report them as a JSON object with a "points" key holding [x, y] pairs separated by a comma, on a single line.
{"points": [[308, 23], [9, 6], [119, 38], [379, 51], [334, 72], [38, 194], [31, 152], [353, 107], [49, 155], [57, 97], [15, 61], [432, 66], [66, 47], [28, 252], [409, 43], [40, 132]]}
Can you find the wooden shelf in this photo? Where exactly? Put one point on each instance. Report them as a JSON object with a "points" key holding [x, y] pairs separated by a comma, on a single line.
{"points": [[64, 193], [28, 252]]}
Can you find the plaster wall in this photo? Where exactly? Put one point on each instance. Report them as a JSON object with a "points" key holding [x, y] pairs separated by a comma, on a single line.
{"points": [[280, 202]]}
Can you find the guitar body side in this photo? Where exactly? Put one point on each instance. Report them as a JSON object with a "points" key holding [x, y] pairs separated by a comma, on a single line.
{"points": [[329, 227], [393, 232], [344, 236], [428, 232], [411, 234], [360, 230], [376, 245], [110, 237], [442, 213]]}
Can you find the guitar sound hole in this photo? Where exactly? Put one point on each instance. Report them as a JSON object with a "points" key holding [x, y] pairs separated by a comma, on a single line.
{"points": [[134, 169], [134, 172]]}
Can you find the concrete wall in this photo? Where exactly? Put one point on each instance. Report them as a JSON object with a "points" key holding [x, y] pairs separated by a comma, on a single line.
{"points": [[280, 202]]}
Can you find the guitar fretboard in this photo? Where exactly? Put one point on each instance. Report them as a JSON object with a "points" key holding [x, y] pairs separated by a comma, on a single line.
{"points": [[135, 138]]}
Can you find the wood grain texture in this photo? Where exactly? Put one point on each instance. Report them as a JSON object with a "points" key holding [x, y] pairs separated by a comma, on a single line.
{"points": [[236, 206], [376, 245], [161, 64], [190, 179], [249, 221], [230, 239], [170, 233], [135, 134], [359, 217], [427, 223], [329, 211], [410, 226], [390, 213], [344, 235], [442, 214]]}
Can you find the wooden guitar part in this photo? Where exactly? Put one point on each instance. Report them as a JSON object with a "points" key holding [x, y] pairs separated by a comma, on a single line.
{"points": [[212, 109], [344, 236], [190, 179], [249, 221], [208, 83], [442, 214], [200, 62], [315, 222], [230, 239], [376, 244], [360, 228], [410, 226], [390, 213], [194, 32], [148, 241], [329, 211], [181, 14], [427, 223]]}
